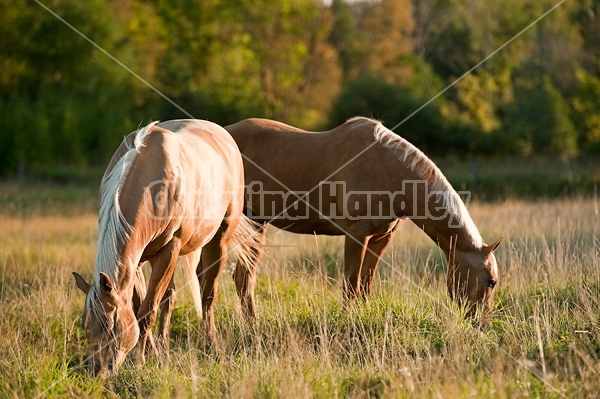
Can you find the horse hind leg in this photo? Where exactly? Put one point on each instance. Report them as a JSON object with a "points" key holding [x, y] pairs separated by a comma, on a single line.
{"points": [[244, 276], [213, 259], [375, 249], [355, 245]]}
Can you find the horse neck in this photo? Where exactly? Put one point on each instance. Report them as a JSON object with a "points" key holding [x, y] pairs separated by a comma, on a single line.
{"points": [[444, 219], [123, 271], [120, 248], [132, 251], [448, 235]]}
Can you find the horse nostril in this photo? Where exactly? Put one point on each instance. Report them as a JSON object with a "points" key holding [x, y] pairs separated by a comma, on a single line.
{"points": [[492, 283]]}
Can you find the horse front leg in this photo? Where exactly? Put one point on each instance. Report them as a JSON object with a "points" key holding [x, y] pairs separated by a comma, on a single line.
{"points": [[163, 265], [164, 322], [139, 293]]}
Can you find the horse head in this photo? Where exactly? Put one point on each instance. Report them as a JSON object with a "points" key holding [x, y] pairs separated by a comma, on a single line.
{"points": [[109, 323], [472, 277]]}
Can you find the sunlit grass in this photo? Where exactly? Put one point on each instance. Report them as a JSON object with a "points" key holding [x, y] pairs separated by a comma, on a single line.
{"points": [[408, 340]]}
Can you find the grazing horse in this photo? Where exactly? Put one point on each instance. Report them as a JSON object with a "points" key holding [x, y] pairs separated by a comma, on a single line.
{"points": [[363, 181], [172, 189]]}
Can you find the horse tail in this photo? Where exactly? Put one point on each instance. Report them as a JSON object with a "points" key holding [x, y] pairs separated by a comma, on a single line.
{"points": [[190, 265], [247, 242]]}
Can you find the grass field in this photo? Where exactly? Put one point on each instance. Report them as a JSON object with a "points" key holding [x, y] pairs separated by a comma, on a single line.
{"points": [[408, 340]]}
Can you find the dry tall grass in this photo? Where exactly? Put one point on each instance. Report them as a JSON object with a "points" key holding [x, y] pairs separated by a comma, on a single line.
{"points": [[408, 340]]}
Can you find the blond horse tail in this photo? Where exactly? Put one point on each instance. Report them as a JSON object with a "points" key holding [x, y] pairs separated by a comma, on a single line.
{"points": [[246, 242]]}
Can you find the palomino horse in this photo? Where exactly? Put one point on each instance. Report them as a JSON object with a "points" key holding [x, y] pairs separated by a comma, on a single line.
{"points": [[172, 188], [363, 181]]}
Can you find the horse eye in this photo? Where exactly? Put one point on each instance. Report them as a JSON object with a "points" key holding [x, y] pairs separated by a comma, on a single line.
{"points": [[492, 283]]}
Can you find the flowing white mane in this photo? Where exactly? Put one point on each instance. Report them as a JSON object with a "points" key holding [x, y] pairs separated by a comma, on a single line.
{"points": [[424, 167], [113, 227]]}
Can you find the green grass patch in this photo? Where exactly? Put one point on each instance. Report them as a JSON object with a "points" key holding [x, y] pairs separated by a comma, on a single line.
{"points": [[408, 340]]}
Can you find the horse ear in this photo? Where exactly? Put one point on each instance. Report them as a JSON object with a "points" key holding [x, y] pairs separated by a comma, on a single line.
{"points": [[81, 283], [491, 248], [106, 284]]}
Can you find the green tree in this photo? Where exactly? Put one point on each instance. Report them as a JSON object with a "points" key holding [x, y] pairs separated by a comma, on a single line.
{"points": [[588, 21], [373, 96], [228, 60], [587, 111], [289, 39], [373, 37], [63, 102], [480, 98], [387, 31], [538, 119], [343, 36]]}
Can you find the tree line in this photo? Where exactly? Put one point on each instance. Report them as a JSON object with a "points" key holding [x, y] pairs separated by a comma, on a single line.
{"points": [[65, 104]]}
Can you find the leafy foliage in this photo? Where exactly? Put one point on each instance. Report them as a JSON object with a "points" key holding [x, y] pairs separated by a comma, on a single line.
{"points": [[539, 120], [64, 103], [585, 106]]}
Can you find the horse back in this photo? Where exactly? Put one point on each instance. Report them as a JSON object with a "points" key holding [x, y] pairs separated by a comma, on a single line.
{"points": [[279, 158], [178, 165], [276, 153]]}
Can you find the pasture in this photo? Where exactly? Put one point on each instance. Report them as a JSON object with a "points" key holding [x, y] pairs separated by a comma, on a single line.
{"points": [[408, 340]]}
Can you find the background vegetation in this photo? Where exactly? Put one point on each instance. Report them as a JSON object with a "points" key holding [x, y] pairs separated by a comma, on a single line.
{"points": [[64, 105]]}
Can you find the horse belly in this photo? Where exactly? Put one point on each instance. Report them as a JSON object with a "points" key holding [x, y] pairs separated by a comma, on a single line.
{"points": [[200, 236]]}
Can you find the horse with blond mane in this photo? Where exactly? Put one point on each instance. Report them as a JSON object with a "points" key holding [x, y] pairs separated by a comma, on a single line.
{"points": [[171, 189], [362, 181]]}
